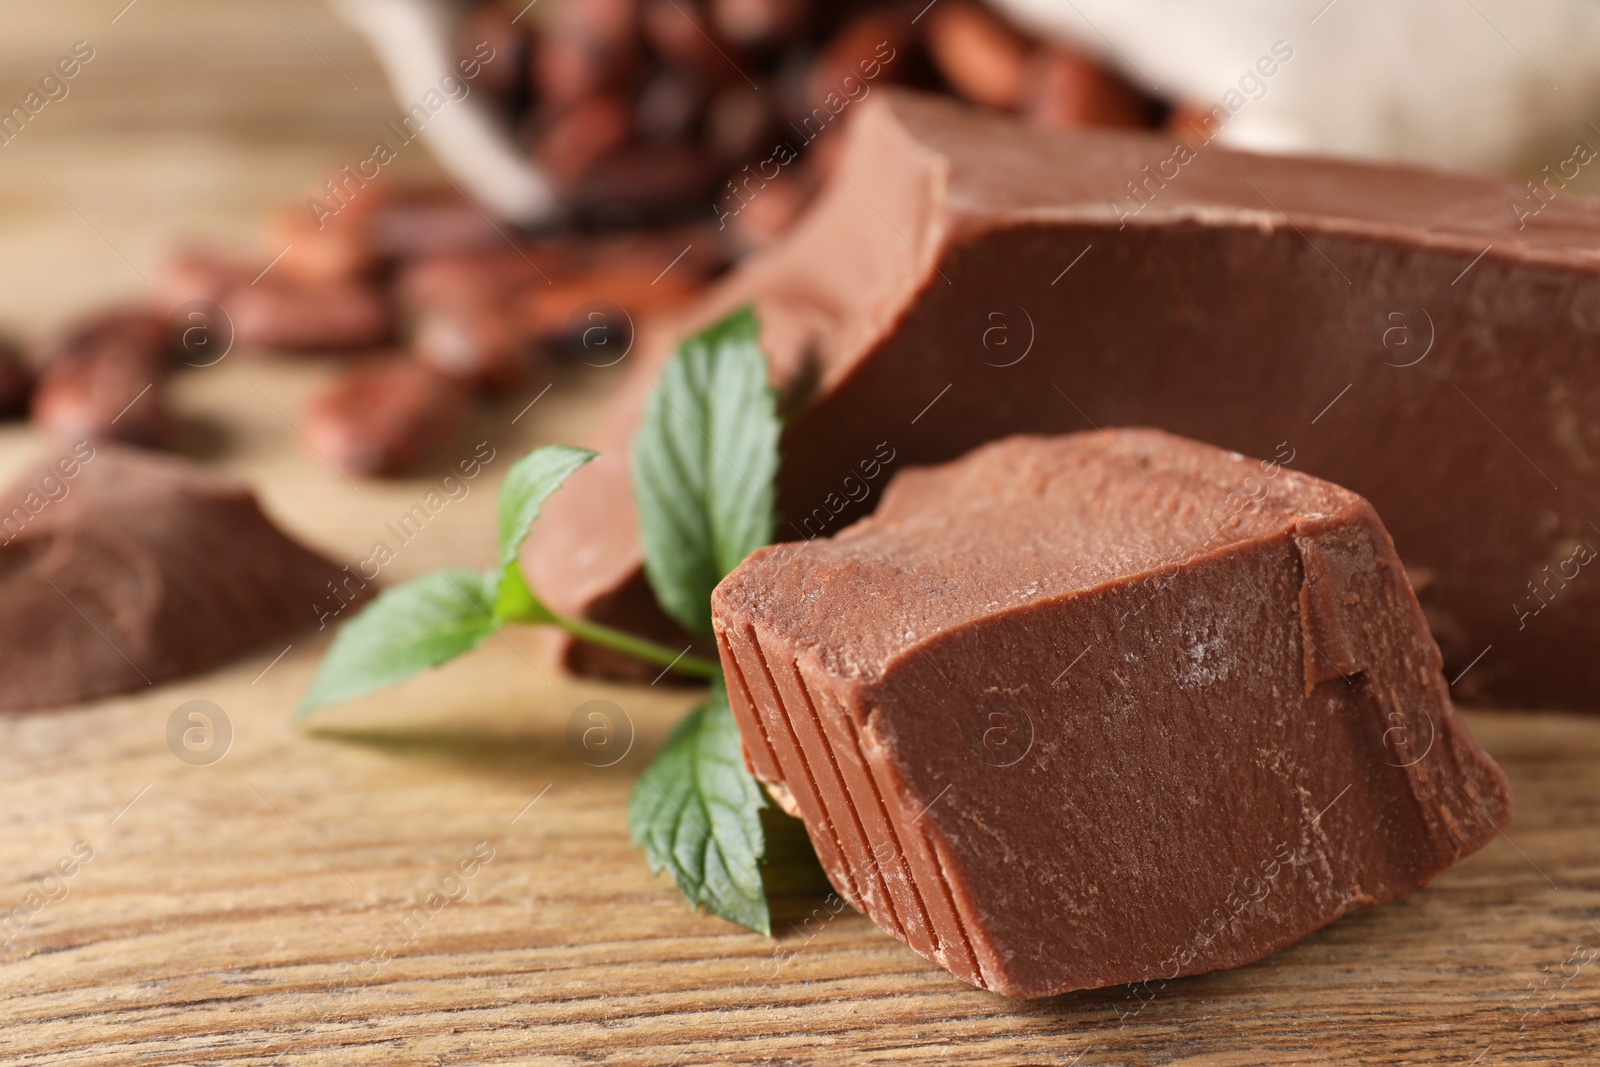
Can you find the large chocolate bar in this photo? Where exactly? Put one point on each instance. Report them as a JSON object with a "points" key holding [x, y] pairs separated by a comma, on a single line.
{"points": [[1102, 708], [1427, 339]]}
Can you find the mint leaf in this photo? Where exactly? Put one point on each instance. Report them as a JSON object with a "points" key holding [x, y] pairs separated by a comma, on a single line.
{"points": [[704, 464], [696, 812], [407, 629], [515, 602], [528, 484]]}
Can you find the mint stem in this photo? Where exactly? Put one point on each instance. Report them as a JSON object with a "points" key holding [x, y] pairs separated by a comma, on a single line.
{"points": [[638, 647]]}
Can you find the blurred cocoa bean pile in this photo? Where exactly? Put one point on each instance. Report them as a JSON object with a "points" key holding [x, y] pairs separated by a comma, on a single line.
{"points": [[639, 109], [658, 121]]}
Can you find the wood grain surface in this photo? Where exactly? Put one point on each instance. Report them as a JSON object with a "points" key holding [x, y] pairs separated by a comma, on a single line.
{"points": [[300, 900]]}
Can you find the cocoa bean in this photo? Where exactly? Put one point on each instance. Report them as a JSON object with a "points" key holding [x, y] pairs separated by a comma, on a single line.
{"points": [[314, 247], [982, 58], [134, 333], [679, 32], [199, 275], [585, 47], [639, 289], [334, 316], [637, 184], [16, 379], [738, 123], [668, 106], [475, 343], [1195, 123], [1067, 89], [498, 29], [584, 133], [476, 277], [108, 391], [431, 222], [755, 23], [871, 48], [768, 214], [385, 417]]}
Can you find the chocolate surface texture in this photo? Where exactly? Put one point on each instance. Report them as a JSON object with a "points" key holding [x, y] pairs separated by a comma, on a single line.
{"points": [[121, 569], [1102, 708], [1400, 332]]}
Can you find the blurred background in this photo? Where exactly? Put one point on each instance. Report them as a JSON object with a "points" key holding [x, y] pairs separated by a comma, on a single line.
{"points": [[192, 121], [194, 146]]}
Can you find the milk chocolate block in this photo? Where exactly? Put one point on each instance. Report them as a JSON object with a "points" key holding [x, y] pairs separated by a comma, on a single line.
{"points": [[1076, 711], [1426, 339]]}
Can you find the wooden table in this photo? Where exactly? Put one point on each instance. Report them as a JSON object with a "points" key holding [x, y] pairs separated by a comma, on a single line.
{"points": [[241, 911]]}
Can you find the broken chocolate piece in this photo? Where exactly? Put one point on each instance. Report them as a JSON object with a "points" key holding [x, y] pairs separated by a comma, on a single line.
{"points": [[1103, 708], [1398, 331], [120, 569]]}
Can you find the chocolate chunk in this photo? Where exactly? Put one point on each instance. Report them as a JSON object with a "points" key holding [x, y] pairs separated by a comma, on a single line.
{"points": [[1103, 708], [120, 569], [1402, 332]]}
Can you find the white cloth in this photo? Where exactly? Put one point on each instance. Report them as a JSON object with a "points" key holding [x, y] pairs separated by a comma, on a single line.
{"points": [[1490, 85]]}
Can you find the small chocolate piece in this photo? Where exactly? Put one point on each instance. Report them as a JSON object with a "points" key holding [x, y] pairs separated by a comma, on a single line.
{"points": [[1110, 707], [385, 417], [1409, 334], [120, 569]]}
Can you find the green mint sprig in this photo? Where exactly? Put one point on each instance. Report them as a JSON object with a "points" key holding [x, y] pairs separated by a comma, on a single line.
{"points": [[439, 616], [705, 461]]}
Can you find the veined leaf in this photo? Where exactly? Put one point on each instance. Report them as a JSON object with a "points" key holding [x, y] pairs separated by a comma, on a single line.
{"points": [[528, 484], [697, 813], [406, 630], [704, 464]]}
